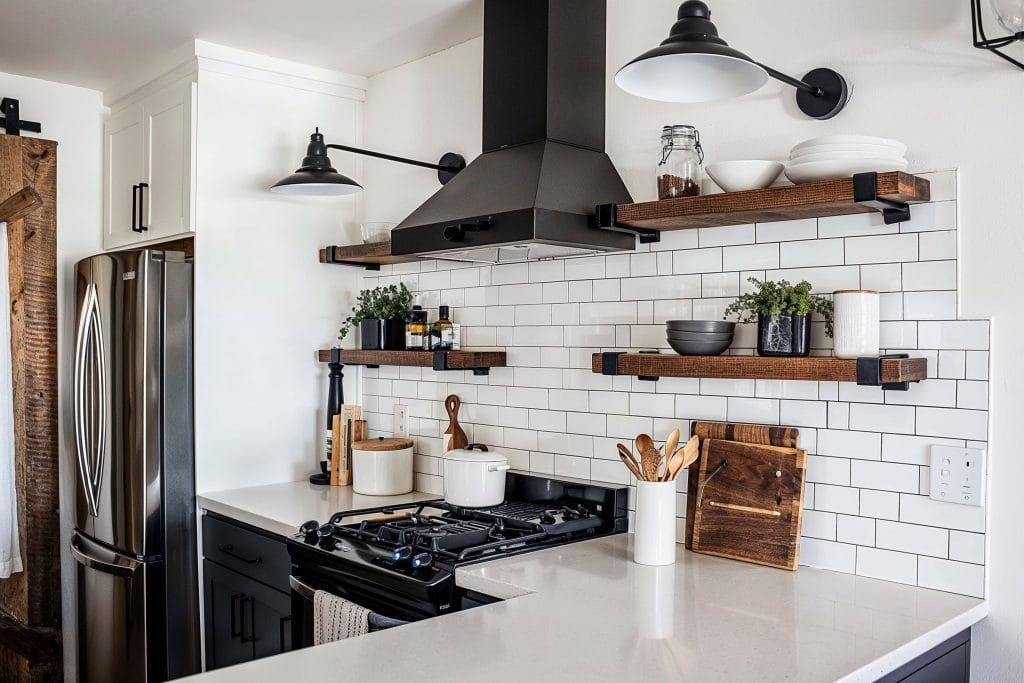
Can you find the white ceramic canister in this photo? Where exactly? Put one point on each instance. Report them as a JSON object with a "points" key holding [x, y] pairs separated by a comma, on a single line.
{"points": [[856, 322], [654, 524], [382, 467]]}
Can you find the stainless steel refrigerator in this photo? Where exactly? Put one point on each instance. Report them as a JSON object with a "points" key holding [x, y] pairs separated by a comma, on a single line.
{"points": [[135, 515]]}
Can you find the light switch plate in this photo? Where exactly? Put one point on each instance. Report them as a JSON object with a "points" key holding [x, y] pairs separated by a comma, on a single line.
{"points": [[958, 475], [400, 428]]}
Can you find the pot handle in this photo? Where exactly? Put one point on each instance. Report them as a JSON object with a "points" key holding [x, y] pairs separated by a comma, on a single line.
{"points": [[498, 468], [476, 447]]}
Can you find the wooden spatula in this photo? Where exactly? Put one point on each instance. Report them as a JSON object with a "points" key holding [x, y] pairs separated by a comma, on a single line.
{"points": [[650, 456]]}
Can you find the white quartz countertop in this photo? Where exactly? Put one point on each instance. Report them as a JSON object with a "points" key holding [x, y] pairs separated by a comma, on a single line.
{"points": [[281, 508], [586, 612]]}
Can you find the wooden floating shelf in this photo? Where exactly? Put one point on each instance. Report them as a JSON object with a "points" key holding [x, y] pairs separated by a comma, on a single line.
{"points": [[477, 361], [782, 203], [893, 371], [371, 256]]}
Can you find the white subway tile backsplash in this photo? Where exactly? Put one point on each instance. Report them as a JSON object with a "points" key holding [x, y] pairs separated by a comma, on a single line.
{"points": [[817, 252], [606, 290], [954, 334], [887, 565], [936, 246], [826, 470], [510, 273], [858, 530], [846, 444], [691, 407], [912, 538], [953, 364], [817, 524], [967, 547], [882, 418], [839, 557], [803, 413], [881, 249], [698, 261], [726, 235], [617, 265], [955, 577], [929, 275], [755, 410], [720, 284], [936, 392], [935, 215], [912, 450], [660, 287], [929, 305], [587, 268], [971, 394], [977, 365], [879, 504], [924, 510], [751, 257], [953, 423], [884, 476], [841, 499], [785, 231], [824, 279], [854, 224], [885, 277]]}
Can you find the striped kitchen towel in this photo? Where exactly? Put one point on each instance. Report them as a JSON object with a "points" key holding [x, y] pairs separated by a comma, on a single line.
{"points": [[336, 618]]}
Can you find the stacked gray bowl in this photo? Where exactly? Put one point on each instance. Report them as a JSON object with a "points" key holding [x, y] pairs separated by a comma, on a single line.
{"points": [[700, 337]]}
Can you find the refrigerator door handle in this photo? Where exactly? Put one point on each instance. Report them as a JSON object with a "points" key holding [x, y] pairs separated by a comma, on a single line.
{"points": [[121, 566], [90, 414]]}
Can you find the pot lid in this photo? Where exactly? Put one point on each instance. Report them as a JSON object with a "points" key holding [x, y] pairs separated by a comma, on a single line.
{"points": [[473, 453], [382, 444]]}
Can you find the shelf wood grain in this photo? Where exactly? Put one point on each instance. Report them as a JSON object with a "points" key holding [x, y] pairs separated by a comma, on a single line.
{"points": [[457, 360], [782, 203], [815, 368], [375, 254]]}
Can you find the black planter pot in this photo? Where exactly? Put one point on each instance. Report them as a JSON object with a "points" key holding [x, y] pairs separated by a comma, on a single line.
{"points": [[787, 335], [376, 334]]}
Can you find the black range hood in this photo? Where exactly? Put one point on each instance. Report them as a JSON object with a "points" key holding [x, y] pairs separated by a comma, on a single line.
{"points": [[533, 192]]}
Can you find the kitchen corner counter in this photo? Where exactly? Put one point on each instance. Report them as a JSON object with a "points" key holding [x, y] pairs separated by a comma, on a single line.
{"points": [[584, 611], [281, 508]]}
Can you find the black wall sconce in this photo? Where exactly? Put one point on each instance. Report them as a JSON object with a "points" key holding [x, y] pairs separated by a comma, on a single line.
{"points": [[694, 65], [1010, 14], [316, 176]]}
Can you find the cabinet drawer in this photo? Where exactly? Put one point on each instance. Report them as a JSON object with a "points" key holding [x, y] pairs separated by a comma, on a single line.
{"points": [[247, 552]]}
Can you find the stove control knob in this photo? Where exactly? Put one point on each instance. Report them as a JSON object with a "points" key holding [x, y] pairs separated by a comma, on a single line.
{"points": [[422, 561], [547, 518], [401, 553], [325, 531], [308, 530]]}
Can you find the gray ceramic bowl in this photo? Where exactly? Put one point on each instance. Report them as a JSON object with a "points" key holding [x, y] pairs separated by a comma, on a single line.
{"points": [[700, 336], [685, 348], [700, 326]]}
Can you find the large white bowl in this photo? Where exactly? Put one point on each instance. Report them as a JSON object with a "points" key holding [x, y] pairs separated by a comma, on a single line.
{"points": [[744, 174], [898, 147], [811, 171], [843, 152]]}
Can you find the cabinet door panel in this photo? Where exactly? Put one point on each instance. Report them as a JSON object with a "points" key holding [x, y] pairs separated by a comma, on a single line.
{"points": [[227, 610], [271, 622], [170, 127], [124, 156]]}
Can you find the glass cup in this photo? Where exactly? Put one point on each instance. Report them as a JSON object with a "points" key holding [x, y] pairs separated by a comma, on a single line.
{"points": [[376, 231]]}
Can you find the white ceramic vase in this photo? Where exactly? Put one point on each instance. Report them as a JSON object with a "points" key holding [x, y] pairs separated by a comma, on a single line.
{"points": [[856, 322], [654, 526]]}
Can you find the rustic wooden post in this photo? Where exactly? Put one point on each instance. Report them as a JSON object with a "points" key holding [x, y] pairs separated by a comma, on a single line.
{"points": [[30, 637]]}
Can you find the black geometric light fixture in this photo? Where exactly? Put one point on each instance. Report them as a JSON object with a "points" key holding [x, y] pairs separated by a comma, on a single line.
{"points": [[1010, 14], [316, 176], [695, 65]]}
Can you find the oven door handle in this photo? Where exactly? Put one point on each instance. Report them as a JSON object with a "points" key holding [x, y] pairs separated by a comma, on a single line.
{"points": [[303, 589]]}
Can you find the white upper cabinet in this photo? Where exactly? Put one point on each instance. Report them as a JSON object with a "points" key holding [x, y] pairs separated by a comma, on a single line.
{"points": [[149, 174]]}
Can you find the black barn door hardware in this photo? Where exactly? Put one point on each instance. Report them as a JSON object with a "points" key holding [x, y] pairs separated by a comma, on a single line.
{"points": [[11, 120]]}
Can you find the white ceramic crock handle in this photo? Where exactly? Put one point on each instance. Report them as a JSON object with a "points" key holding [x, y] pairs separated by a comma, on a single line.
{"points": [[498, 468]]}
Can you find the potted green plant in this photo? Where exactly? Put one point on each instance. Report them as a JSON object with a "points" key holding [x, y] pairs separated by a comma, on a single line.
{"points": [[783, 314], [380, 313]]}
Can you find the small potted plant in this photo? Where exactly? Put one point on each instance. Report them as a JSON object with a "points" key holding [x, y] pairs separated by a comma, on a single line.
{"points": [[783, 314], [380, 313]]}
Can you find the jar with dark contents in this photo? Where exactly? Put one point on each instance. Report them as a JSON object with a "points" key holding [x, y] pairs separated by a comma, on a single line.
{"points": [[679, 169]]}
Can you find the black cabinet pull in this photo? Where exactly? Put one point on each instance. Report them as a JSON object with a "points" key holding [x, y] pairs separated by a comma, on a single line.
{"points": [[135, 207], [282, 622], [235, 631], [230, 551], [251, 601], [142, 205]]}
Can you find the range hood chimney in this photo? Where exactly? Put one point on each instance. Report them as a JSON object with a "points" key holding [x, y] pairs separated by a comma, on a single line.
{"points": [[533, 192]]}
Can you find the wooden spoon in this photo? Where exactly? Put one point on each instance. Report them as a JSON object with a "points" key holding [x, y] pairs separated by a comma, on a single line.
{"points": [[684, 457], [650, 456], [670, 449], [628, 455], [631, 467]]}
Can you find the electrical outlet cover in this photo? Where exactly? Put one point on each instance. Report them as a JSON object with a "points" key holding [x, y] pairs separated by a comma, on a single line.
{"points": [[400, 427], [958, 475]]}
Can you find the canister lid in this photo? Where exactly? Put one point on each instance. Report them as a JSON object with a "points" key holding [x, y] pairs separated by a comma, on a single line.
{"points": [[382, 444]]}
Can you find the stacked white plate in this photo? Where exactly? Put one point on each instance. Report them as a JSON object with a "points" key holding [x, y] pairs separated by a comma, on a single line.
{"points": [[841, 156]]}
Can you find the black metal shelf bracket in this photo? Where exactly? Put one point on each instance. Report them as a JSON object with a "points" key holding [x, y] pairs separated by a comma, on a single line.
{"points": [[329, 258], [610, 365], [441, 363], [11, 120], [605, 218], [865, 193], [869, 372]]}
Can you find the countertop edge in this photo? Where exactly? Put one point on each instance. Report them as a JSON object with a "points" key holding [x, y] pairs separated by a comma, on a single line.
{"points": [[245, 516]]}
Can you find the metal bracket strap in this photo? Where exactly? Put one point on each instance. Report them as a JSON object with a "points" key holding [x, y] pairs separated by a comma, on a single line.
{"points": [[605, 218], [610, 365], [11, 120], [441, 363], [329, 258], [865, 193], [869, 372]]}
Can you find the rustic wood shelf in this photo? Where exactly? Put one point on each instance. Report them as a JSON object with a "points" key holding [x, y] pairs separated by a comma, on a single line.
{"points": [[480, 362], [782, 203], [371, 256], [892, 371]]}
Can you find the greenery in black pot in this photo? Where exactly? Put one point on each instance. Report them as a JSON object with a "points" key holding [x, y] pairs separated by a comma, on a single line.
{"points": [[782, 311], [392, 302]]}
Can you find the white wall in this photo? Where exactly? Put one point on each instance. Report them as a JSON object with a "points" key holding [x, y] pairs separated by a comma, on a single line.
{"points": [[74, 118], [915, 77], [264, 304]]}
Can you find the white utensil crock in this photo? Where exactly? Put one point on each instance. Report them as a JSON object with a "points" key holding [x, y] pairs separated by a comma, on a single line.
{"points": [[377, 472], [654, 524], [856, 322], [474, 478]]}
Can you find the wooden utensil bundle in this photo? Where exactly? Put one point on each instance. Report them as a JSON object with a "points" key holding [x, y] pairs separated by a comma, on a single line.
{"points": [[652, 465]]}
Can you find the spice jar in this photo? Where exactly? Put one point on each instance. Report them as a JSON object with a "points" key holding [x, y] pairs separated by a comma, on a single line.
{"points": [[417, 333], [679, 170]]}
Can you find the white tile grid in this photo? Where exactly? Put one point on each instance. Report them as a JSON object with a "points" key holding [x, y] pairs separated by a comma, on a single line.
{"points": [[865, 510]]}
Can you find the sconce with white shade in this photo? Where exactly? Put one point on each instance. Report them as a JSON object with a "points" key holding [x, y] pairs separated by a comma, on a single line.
{"points": [[1010, 15]]}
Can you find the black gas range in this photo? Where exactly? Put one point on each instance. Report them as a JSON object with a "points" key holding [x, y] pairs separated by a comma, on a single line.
{"points": [[399, 561]]}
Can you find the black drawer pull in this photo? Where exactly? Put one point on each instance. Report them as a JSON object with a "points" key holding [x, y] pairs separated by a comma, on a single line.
{"points": [[251, 601], [235, 631], [135, 207], [230, 551], [142, 205]]}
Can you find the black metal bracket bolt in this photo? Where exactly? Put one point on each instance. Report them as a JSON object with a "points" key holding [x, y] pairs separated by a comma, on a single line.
{"points": [[11, 120], [329, 258], [869, 372], [441, 363], [865, 193]]}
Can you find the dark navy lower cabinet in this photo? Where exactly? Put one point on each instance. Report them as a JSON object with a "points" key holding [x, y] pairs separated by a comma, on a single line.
{"points": [[948, 662]]}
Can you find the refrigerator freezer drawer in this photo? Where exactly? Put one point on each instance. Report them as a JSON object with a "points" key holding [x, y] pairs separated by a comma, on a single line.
{"points": [[120, 617]]}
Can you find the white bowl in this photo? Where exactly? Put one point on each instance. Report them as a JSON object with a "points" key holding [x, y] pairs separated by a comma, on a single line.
{"points": [[895, 145], [818, 154], [811, 171], [744, 174]]}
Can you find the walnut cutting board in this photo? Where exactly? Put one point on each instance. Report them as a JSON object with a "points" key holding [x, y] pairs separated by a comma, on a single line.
{"points": [[769, 435], [752, 507]]}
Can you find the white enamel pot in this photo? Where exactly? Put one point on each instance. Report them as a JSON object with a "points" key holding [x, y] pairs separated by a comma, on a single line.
{"points": [[474, 477]]}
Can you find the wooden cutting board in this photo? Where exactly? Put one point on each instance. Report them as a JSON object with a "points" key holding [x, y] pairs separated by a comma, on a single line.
{"points": [[769, 435], [347, 427], [749, 509]]}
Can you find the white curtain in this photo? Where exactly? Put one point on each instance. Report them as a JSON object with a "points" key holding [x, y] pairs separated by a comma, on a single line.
{"points": [[10, 554]]}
